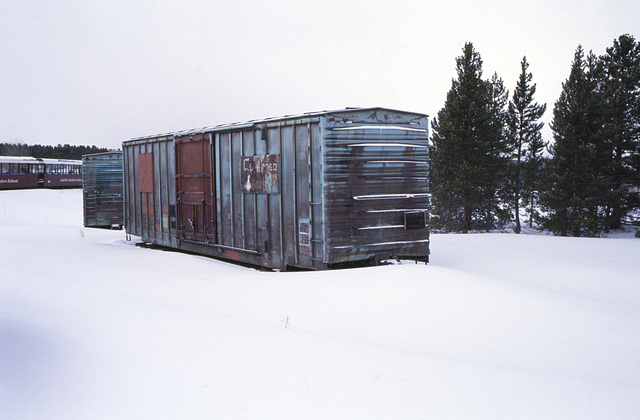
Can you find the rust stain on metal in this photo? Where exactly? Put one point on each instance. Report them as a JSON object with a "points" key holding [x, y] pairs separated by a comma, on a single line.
{"points": [[145, 172], [194, 184]]}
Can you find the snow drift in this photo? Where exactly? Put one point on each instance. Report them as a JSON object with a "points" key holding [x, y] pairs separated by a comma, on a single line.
{"points": [[496, 326]]}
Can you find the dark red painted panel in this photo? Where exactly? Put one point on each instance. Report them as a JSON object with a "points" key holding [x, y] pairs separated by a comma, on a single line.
{"points": [[19, 181], [145, 172], [194, 188]]}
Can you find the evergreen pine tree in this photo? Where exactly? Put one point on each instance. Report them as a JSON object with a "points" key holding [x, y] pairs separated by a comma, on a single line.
{"points": [[525, 141], [496, 156], [534, 169], [575, 166], [622, 90], [468, 149]]}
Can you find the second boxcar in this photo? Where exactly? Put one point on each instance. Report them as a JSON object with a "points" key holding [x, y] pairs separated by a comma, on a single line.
{"points": [[313, 191], [102, 190]]}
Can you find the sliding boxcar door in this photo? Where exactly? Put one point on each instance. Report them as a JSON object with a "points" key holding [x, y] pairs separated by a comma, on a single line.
{"points": [[195, 189]]}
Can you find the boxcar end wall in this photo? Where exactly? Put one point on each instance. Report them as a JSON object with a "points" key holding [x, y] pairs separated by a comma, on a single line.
{"points": [[102, 178], [310, 191]]}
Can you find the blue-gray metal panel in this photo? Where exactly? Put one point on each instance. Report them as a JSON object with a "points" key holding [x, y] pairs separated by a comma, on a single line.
{"points": [[226, 194], [274, 203], [289, 223], [129, 220], [218, 186], [317, 207], [156, 227], [163, 195], [236, 191], [303, 193], [262, 227], [103, 191], [169, 150], [249, 200], [132, 204], [146, 199]]}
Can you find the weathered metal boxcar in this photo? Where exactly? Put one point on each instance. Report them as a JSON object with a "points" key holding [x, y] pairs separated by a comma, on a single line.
{"points": [[311, 191], [103, 194]]}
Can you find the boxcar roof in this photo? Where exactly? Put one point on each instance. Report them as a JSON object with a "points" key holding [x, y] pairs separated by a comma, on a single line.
{"points": [[230, 126], [109, 153]]}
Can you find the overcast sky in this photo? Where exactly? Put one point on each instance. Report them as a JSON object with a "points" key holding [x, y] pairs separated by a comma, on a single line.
{"points": [[91, 72]]}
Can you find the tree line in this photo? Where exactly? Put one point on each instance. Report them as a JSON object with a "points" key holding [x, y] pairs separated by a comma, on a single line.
{"points": [[53, 152], [490, 164]]}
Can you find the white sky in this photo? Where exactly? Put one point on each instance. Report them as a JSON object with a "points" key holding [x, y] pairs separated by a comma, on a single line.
{"points": [[100, 72]]}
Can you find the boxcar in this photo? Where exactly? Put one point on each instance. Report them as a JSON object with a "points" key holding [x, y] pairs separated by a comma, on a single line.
{"points": [[29, 172], [312, 191], [102, 190]]}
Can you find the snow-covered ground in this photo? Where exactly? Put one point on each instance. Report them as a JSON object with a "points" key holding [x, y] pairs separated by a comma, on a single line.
{"points": [[497, 326]]}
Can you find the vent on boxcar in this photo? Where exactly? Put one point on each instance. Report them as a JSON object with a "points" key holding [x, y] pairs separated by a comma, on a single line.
{"points": [[415, 220]]}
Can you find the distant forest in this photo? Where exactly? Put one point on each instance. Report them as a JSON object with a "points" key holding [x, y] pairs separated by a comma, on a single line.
{"points": [[52, 152]]}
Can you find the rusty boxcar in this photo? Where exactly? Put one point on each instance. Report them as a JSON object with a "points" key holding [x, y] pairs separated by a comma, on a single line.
{"points": [[102, 190], [313, 191]]}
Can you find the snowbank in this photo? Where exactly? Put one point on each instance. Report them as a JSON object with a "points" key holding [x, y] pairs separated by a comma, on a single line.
{"points": [[497, 326]]}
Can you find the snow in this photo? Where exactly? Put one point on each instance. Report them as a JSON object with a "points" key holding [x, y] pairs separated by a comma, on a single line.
{"points": [[497, 326]]}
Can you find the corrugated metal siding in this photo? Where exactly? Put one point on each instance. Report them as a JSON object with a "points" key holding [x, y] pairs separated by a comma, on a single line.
{"points": [[266, 223], [376, 170], [151, 215], [102, 180]]}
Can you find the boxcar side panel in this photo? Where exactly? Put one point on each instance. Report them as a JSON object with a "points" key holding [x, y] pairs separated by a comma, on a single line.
{"points": [[244, 222], [225, 203], [145, 188], [303, 194], [164, 175], [317, 201], [168, 203], [237, 218], [149, 190], [249, 200], [288, 192], [270, 145], [261, 230], [131, 220]]}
